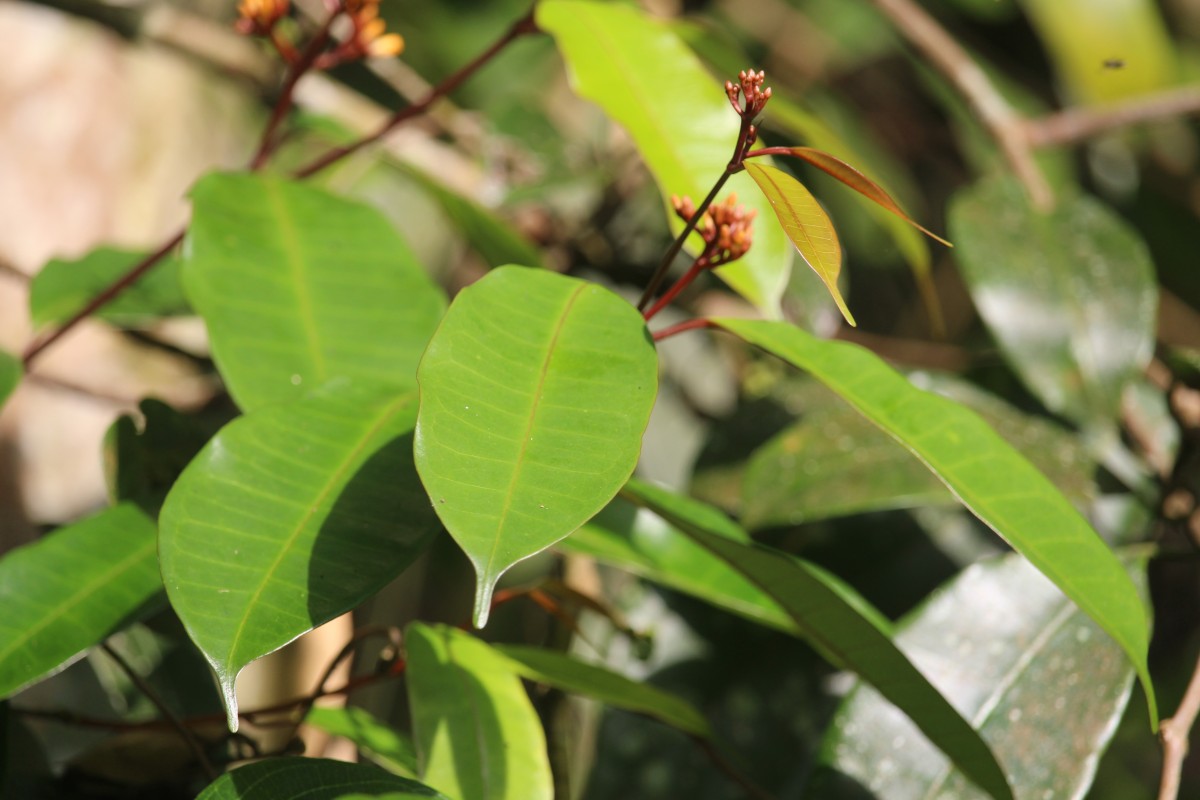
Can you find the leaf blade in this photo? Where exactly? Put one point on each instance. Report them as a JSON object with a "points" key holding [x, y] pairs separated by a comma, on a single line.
{"points": [[806, 224], [313, 779], [10, 375], [1019, 506]]}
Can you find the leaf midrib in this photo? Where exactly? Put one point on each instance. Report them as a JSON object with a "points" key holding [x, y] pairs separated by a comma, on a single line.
{"points": [[294, 259]]}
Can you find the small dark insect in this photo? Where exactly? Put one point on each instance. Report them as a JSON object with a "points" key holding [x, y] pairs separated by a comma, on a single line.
{"points": [[1113, 63]]}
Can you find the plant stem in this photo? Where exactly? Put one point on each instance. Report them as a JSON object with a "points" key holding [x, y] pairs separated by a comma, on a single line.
{"points": [[689, 325], [189, 738], [1174, 733], [697, 267], [523, 26]]}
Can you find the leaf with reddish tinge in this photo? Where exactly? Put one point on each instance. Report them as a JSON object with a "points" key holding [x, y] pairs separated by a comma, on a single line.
{"points": [[806, 224], [860, 183]]}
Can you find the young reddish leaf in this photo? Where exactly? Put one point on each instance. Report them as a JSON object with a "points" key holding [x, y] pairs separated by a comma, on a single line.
{"points": [[860, 183], [806, 224]]}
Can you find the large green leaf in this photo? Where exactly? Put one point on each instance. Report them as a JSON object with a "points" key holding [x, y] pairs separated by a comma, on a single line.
{"points": [[1070, 296], [71, 589], [374, 738], [535, 392], [834, 461], [571, 675], [647, 79], [642, 543], [477, 734], [299, 286], [840, 624], [63, 287], [289, 517], [313, 779], [806, 224], [1017, 658], [10, 375], [991, 478]]}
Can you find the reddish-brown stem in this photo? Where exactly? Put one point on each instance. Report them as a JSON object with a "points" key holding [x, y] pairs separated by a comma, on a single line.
{"points": [[102, 299], [693, 272], [689, 325], [769, 151], [525, 25], [283, 104], [732, 168], [282, 46]]}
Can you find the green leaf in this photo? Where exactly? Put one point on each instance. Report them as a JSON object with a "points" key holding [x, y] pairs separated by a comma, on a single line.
{"points": [[495, 241], [374, 738], [1070, 297], [289, 517], [840, 624], [992, 479], [63, 287], [648, 80], [10, 375], [477, 734], [299, 287], [1017, 658], [535, 392], [642, 543], [806, 224], [313, 779], [71, 589], [834, 461], [571, 675]]}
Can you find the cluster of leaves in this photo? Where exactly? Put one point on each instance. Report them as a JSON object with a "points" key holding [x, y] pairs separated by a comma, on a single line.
{"points": [[375, 417]]}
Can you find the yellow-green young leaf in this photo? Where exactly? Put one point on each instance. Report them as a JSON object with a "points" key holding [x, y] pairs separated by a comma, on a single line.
{"points": [[650, 82], [478, 736], [10, 375], [535, 392], [987, 474], [806, 224], [374, 738]]}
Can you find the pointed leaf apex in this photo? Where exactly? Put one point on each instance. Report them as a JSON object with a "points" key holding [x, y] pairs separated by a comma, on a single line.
{"points": [[228, 686], [484, 587]]}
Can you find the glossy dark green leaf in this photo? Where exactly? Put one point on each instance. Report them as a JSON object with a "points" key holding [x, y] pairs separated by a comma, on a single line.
{"points": [[289, 517], [992, 479], [71, 589], [645, 78], [642, 543], [10, 375], [834, 461], [374, 738], [299, 286], [535, 392], [1070, 297], [313, 779], [841, 625], [477, 734], [572, 675], [1040, 680], [63, 287]]}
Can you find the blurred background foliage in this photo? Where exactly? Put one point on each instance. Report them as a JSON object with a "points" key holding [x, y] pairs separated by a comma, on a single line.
{"points": [[108, 112]]}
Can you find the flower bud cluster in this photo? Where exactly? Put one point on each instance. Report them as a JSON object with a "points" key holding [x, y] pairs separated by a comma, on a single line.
{"points": [[365, 35], [727, 228], [747, 96]]}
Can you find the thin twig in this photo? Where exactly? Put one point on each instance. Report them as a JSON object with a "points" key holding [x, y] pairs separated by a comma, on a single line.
{"points": [[727, 769], [1006, 126], [189, 737], [688, 325], [1174, 733], [1076, 124]]}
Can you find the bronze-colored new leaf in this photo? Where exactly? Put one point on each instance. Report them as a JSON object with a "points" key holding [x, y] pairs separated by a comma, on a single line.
{"points": [[806, 224]]}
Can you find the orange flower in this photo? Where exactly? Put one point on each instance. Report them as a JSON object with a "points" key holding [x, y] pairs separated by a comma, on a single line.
{"points": [[260, 16], [368, 38]]}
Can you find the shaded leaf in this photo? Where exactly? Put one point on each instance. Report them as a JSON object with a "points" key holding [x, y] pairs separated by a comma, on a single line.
{"points": [[289, 517], [374, 738], [806, 224], [572, 675], [63, 287], [838, 623], [477, 734], [1070, 297], [1017, 658], [313, 779], [645, 78], [993, 480], [643, 543], [860, 183], [299, 286], [834, 461], [10, 375], [71, 589], [535, 392]]}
